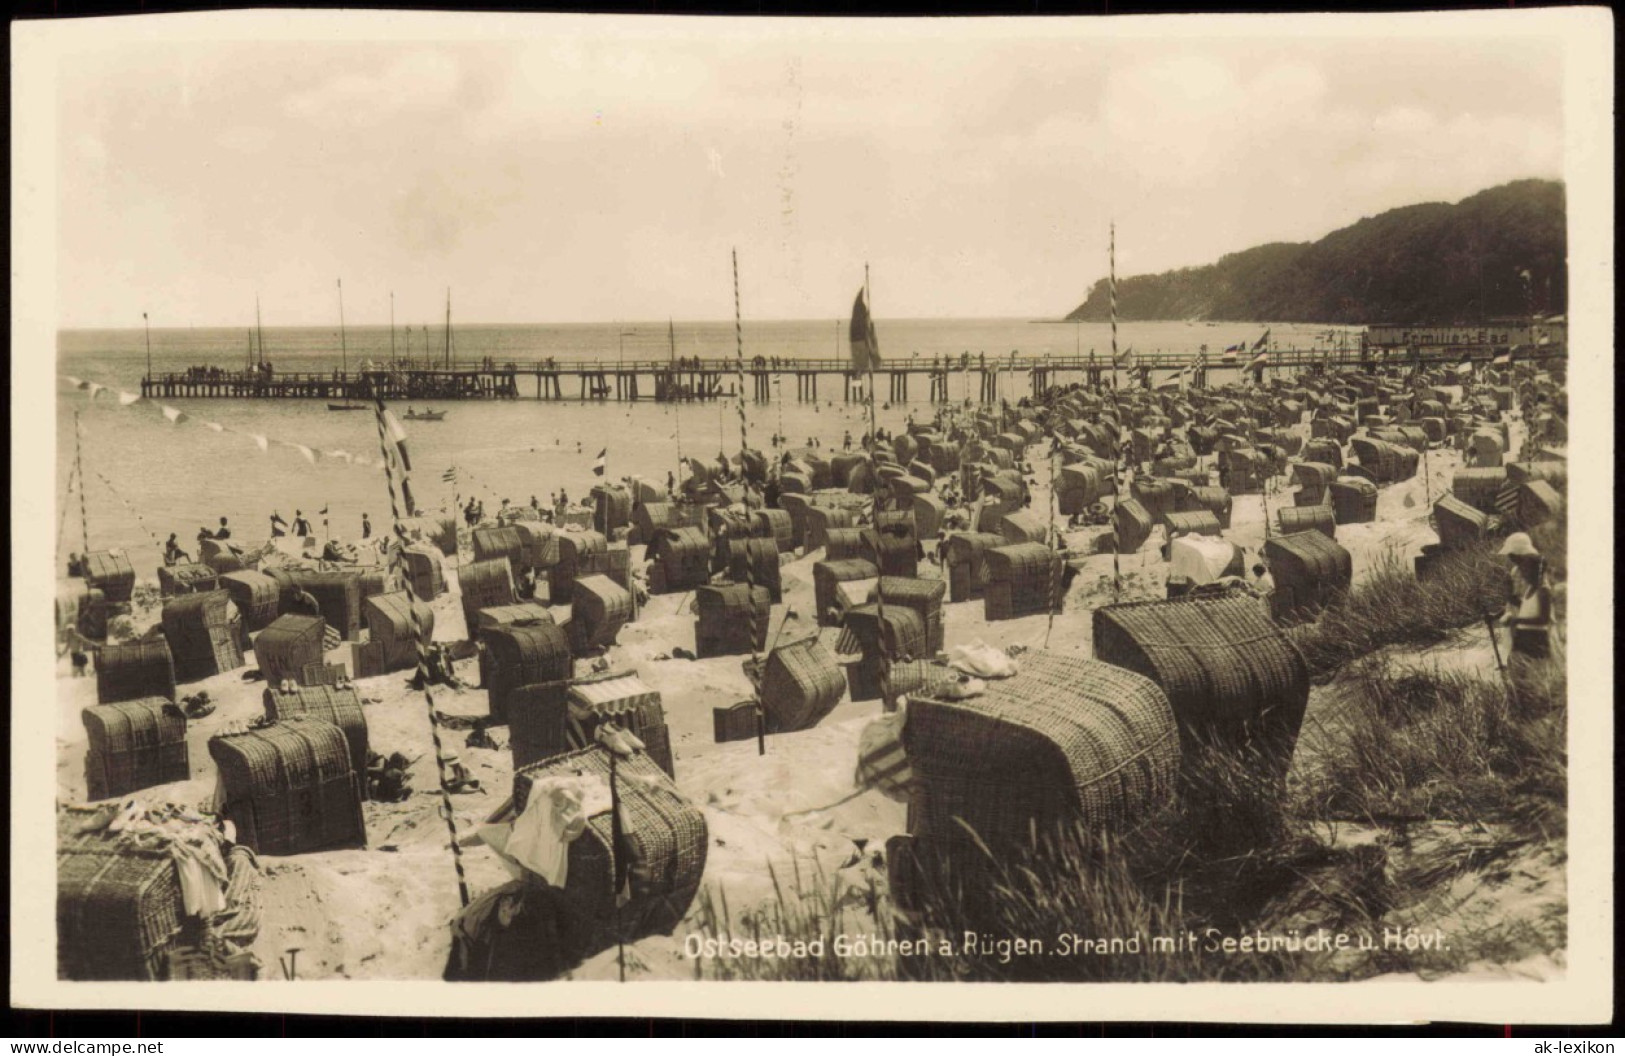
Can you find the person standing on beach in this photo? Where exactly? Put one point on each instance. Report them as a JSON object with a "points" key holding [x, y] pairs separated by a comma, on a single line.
{"points": [[366, 527], [301, 527], [224, 532], [1528, 613]]}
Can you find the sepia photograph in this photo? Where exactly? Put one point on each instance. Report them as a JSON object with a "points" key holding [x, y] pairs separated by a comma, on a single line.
{"points": [[621, 501]]}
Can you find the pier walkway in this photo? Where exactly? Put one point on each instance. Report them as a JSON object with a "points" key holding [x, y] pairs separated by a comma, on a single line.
{"points": [[691, 378]]}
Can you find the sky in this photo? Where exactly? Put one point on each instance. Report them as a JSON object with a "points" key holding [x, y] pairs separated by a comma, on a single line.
{"points": [[571, 168]]}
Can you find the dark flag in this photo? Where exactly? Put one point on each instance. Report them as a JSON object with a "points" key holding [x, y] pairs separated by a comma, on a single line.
{"points": [[1262, 341], [865, 347], [601, 464]]}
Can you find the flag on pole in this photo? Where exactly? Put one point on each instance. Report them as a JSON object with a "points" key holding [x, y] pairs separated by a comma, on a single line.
{"points": [[1122, 358], [1464, 369], [1259, 360], [1505, 358], [397, 436], [1230, 353], [601, 464], [865, 346], [450, 475], [1263, 340]]}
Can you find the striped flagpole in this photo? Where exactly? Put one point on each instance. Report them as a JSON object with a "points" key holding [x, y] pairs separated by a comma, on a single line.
{"points": [[79, 468], [1111, 279], [420, 634], [888, 701], [744, 447], [1055, 541]]}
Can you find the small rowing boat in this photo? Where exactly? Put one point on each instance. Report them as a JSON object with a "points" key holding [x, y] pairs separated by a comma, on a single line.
{"points": [[424, 416]]}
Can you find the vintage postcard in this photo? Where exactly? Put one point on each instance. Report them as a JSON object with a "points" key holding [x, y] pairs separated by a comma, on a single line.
{"points": [[634, 507]]}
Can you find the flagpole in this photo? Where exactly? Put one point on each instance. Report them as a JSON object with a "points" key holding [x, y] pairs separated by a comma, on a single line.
{"points": [[148, 328], [79, 468], [744, 448]]}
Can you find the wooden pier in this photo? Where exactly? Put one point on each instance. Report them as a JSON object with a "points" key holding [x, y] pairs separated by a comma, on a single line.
{"points": [[695, 379]]}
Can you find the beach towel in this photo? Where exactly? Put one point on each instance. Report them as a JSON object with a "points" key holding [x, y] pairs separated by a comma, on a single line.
{"points": [[982, 660]]}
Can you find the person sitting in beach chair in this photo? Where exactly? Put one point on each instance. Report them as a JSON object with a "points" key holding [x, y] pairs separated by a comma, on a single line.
{"points": [[1528, 612], [456, 776]]}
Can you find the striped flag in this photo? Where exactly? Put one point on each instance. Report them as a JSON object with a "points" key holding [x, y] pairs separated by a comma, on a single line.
{"points": [[1260, 360], [1230, 353], [601, 464], [1505, 358], [1263, 340], [450, 475]]}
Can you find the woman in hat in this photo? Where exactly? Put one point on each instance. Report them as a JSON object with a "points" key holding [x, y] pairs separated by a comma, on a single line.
{"points": [[1528, 612]]}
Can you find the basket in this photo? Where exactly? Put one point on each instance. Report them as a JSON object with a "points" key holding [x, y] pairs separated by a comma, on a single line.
{"points": [[522, 655], [119, 907], [738, 722], [284, 648], [732, 618], [1310, 572], [1232, 679], [1022, 580], [1478, 487], [774, 525], [110, 572], [754, 561], [801, 683], [134, 744], [485, 585], [186, 578], [1132, 525], [1307, 519], [1324, 451], [341, 707], [652, 517], [1354, 501], [134, 670], [579, 555], [892, 546], [375, 582], [1553, 472], [901, 632], [255, 594], [599, 608], [338, 595], [924, 596], [1066, 741], [611, 509], [966, 564], [1538, 502], [625, 699], [827, 577], [205, 635], [290, 788], [929, 511], [493, 543], [681, 560], [541, 544], [394, 621], [1459, 525], [842, 544], [538, 718], [1023, 526], [665, 834], [1215, 500], [1192, 522], [1157, 496], [424, 571], [821, 520]]}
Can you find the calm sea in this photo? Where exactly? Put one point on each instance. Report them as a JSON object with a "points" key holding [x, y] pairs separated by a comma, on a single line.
{"points": [[148, 477]]}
